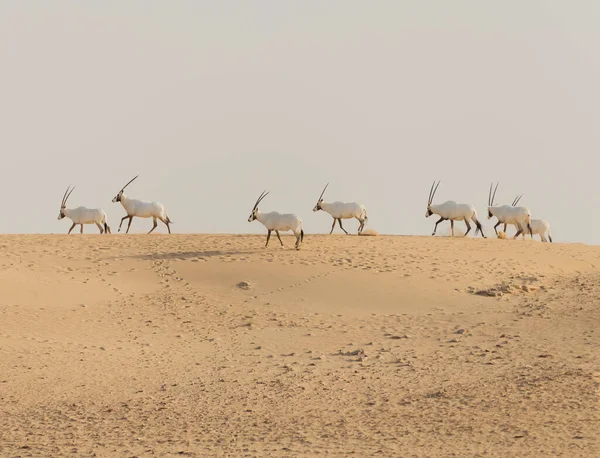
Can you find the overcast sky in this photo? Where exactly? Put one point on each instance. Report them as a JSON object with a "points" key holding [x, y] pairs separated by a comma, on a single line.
{"points": [[212, 102]]}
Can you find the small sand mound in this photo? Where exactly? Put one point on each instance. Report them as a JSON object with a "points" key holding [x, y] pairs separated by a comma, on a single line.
{"points": [[369, 231], [244, 285], [502, 235]]}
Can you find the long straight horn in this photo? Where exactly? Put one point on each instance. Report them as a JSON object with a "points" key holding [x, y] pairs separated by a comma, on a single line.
{"points": [[67, 195], [260, 198], [321, 196], [430, 192], [517, 199], [494, 196], [490, 195], [62, 202], [130, 181], [433, 191], [264, 195]]}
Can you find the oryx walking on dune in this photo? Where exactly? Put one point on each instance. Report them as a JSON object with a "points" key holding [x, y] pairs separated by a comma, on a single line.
{"points": [[142, 209], [509, 214], [275, 221], [342, 210], [453, 211], [83, 215], [540, 227]]}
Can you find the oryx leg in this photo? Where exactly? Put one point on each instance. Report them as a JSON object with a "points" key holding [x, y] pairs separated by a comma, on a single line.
{"points": [[436, 224], [122, 219], [166, 223], [81, 229], [504, 228], [154, 224], [100, 227], [129, 224], [333, 226], [468, 226], [268, 237], [342, 227], [72, 227], [298, 236], [496, 227], [452, 227], [479, 227], [516, 230], [519, 230], [277, 232]]}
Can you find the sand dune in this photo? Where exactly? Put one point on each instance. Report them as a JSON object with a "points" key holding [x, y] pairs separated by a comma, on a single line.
{"points": [[210, 345]]}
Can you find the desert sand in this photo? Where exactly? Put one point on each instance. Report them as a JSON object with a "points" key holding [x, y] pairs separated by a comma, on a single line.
{"points": [[211, 345]]}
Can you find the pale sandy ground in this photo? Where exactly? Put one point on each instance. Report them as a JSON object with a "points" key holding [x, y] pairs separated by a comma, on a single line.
{"points": [[355, 346]]}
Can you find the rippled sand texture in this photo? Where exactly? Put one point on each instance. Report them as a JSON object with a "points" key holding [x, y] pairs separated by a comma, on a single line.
{"points": [[205, 345]]}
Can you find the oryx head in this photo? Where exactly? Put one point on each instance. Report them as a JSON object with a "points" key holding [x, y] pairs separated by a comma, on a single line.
{"points": [[491, 198], [432, 191], [252, 216], [320, 200], [63, 204], [117, 198]]}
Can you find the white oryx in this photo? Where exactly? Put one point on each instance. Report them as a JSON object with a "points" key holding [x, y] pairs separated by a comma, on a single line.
{"points": [[509, 214], [141, 209], [342, 210], [275, 221], [83, 215], [540, 227], [452, 211]]}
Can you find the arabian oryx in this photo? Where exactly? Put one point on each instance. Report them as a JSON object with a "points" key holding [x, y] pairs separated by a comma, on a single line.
{"points": [[509, 214], [342, 210], [141, 209], [452, 211], [540, 227], [275, 221], [83, 215]]}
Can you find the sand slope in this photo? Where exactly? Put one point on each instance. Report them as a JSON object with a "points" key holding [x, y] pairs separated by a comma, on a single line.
{"points": [[206, 345]]}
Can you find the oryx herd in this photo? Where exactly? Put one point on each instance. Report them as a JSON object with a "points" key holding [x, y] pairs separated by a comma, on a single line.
{"points": [[133, 207], [520, 217]]}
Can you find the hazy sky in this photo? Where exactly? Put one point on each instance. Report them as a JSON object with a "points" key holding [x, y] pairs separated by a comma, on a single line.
{"points": [[212, 102]]}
